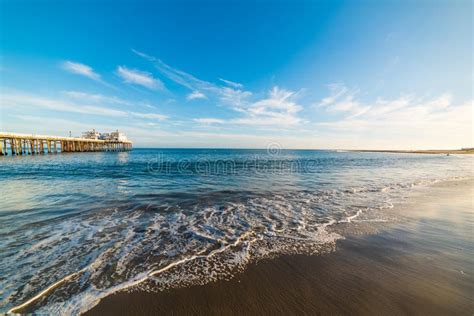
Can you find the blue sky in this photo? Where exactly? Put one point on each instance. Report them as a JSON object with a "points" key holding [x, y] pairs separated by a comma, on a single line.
{"points": [[313, 74]]}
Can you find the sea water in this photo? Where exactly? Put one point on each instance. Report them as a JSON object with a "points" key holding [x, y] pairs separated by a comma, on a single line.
{"points": [[76, 227]]}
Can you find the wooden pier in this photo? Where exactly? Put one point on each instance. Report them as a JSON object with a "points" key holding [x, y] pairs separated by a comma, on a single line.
{"points": [[25, 144]]}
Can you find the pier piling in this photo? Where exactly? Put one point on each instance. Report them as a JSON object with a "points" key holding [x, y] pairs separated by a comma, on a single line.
{"points": [[12, 146]]}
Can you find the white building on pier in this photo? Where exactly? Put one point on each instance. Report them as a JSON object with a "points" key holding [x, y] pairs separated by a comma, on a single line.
{"points": [[113, 136]]}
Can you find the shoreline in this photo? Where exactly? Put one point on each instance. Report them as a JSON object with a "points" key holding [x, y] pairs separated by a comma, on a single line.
{"points": [[410, 267], [468, 151]]}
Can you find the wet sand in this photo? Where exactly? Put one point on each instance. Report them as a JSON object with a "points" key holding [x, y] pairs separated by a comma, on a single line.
{"points": [[420, 265]]}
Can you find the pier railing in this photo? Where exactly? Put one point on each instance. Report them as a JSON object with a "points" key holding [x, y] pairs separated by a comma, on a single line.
{"points": [[30, 144]]}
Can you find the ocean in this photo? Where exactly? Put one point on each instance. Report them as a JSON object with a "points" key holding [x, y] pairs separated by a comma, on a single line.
{"points": [[77, 227]]}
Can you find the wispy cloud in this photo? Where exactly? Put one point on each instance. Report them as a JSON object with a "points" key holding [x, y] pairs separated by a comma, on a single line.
{"points": [[159, 117], [138, 77], [85, 97], [336, 91], [196, 95], [235, 98], [232, 84], [277, 108], [80, 69], [431, 119], [342, 99], [352, 117], [95, 98], [208, 121], [232, 96], [16, 100]]}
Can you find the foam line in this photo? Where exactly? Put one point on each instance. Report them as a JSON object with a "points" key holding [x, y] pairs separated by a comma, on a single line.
{"points": [[44, 292], [15, 309]]}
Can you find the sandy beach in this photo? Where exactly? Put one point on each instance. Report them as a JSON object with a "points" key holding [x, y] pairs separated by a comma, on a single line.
{"points": [[421, 265]]}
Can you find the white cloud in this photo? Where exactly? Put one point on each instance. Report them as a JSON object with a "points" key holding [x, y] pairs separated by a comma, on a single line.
{"points": [[138, 77], [346, 102], [85, 97], [25, 100], [381, 121], [419, 122], [80, 69], [340, 98], [232, 96], [278, 99], [196, 95], [209, 121], [30, 101], [337, 90], [232, 84], [149, 116], [96, 98], [278, 108], [280, 121]]}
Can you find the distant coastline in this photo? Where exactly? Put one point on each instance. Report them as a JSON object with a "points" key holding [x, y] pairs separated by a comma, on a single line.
{"points": [[463, 151]]}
